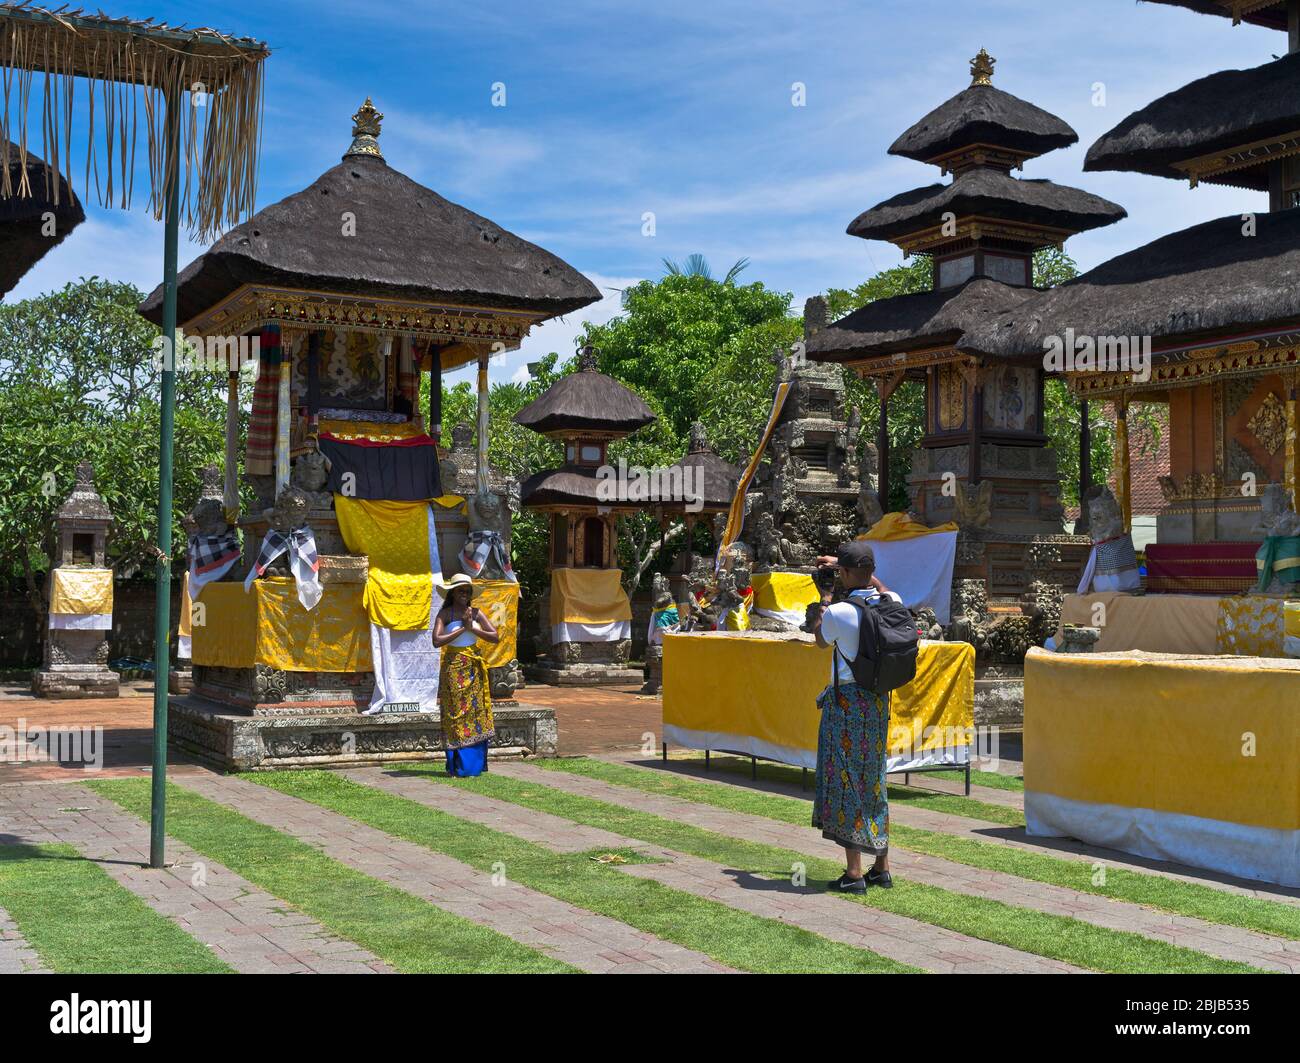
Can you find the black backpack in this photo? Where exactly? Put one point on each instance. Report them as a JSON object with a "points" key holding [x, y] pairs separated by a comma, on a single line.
{"points": [[887, 644]]}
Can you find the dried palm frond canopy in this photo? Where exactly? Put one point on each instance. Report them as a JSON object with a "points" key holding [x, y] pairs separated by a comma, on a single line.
{"points": [[134, 69]]}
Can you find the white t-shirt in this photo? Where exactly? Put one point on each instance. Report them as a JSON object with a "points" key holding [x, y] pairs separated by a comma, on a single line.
{"points": [[840, 626]]}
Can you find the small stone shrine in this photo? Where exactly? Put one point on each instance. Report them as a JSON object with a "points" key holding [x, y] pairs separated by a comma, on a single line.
{"points": [[80, 599]]}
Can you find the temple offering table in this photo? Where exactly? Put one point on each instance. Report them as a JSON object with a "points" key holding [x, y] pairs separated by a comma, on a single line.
{"points": [[1240, 625], [1193, 760], [756, 694]]}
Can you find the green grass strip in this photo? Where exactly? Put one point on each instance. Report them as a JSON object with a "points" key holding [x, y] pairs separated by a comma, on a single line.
{"points": [[1121, 884], [994, 780], [1069, 940], [406, 932], [737, 939], [911, 796], [80, 920]]}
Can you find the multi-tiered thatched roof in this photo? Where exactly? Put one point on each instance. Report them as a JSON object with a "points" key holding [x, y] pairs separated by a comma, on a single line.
{"points": [[1268, 13]]}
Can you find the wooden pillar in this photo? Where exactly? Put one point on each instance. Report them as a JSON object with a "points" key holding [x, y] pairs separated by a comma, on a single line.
{"points": [[885, 388], [973, 470], [230, 483], [282, 415], [1122, 467], [313, 376], [1290, 472], [481, 457], [1293, 25], [435, 392], [1085, 465]]}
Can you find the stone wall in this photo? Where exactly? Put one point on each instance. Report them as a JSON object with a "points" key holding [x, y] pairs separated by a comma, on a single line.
{"points": [[132, 634]]}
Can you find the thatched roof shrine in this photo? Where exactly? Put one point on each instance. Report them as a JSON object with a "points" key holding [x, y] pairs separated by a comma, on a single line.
{"points": [[588, 403], [923, 319], [1220, 128], [1206, 280], [1268, 13], [408, 244], [23, 229]]}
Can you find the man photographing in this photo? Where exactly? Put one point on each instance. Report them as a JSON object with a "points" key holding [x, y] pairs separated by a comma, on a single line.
{"points": [[851, 804]]}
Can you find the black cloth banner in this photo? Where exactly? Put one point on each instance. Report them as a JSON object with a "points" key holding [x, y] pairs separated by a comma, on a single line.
{"points": [[404, 470]]}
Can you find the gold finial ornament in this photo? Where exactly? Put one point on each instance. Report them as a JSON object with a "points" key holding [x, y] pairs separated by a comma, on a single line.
{"points": [[981, 68], [365, 131]]}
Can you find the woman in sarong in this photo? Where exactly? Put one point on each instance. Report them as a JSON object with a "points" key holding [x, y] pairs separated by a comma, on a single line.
{"points": [[464, 694]]}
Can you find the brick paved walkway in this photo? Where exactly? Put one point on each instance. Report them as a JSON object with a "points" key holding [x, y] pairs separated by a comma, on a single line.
{"points": [[1230, 943], [573, 935], [929, 947], [247, 928], [983, 830], [16, 956]]}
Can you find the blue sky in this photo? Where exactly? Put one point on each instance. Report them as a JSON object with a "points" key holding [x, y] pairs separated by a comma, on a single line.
{"points": [[684, 108]]}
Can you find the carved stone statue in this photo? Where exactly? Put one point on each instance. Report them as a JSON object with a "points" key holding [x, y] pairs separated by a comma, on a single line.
{"points": [[1112, 565], [1281, 529], [1276, 514], [486, 554], [973, 506], [290, 510], [309, 475]]}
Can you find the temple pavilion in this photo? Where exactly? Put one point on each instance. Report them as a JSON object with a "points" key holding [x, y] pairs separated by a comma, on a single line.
{"points": [[38, 210], [984, 459], [1220, 302], [343, 294], [585, 622]]}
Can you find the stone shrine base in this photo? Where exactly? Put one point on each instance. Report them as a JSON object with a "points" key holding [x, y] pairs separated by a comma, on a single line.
{"points": [[323, 738], [583, 675], [75, 681]]}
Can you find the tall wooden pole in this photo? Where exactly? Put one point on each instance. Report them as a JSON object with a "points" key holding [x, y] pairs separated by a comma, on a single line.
{"points": [[1085, 466], [882, 446], [163, 568], [481, 458], [1122, 471]]}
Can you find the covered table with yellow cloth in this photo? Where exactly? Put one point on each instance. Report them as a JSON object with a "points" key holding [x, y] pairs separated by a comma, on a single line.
{"points": [[81, 599], [268, 625], [1194, 760], [589, 605], [784, 595], [1243, 625], [758, 696]]}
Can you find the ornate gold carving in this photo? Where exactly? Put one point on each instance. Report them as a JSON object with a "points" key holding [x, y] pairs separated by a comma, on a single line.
{"points": [[1249, 359], [1269, 423], [969, 155], [1199, 486], [890, 364], [365, 131], [981, 68], [1258, 153], [251, 307], [952, 397], [979, 228]]}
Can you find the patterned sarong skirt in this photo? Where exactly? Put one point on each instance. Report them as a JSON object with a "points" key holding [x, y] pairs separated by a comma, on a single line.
{"points": [[464, 697], [851, 805]]}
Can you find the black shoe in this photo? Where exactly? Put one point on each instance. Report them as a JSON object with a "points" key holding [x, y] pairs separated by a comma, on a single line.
{"points": [[844, 884], [881, 879]]}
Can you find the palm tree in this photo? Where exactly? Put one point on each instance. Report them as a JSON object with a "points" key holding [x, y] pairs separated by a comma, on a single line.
{"points": [[698, 266]]}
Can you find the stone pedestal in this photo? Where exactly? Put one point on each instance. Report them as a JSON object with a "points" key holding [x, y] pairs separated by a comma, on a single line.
{"points": [[314, 736], [75, 666]]}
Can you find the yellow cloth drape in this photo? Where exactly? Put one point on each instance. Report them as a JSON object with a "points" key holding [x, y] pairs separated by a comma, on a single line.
{"points": [[588, 596], [1251, 626], [81, 591], [450, 502], [1166, 734], [784, 592], [373, 430], [767, 689], [736, 511], [395, 538], [268, 625], [895, 526], [499, 599], [186, 610]]}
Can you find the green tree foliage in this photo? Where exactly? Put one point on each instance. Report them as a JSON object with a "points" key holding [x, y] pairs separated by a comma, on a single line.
{"points": [[80, 383]]}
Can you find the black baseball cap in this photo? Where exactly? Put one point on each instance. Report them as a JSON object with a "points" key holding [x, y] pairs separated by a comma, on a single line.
{"points": [[856, 555]]}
